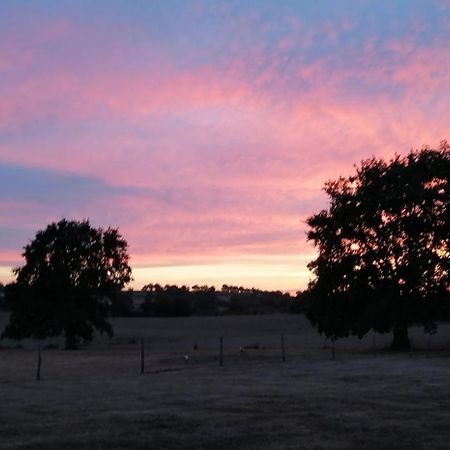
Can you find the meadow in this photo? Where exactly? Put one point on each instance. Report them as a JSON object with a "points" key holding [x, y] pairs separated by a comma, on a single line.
{"points": [[96, 398]]}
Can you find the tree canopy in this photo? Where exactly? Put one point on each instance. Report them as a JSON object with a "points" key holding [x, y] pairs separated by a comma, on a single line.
{"points": [[383, 248], [172, 301], [71, 271]]}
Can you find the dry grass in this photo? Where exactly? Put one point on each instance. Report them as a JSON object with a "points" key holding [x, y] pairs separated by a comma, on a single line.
{"points": [[96, 399]]}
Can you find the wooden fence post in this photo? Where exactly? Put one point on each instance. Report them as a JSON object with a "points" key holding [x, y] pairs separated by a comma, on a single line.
{"points": [[333, 348], [39, 362], [283, 354], [142, 356], [374, 342], [221, 351]]}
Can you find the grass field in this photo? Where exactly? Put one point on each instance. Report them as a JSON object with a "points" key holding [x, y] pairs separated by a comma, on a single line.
{"points": [[96, 398]]}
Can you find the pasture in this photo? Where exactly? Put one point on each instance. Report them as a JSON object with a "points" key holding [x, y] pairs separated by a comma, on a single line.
{"points": [[96, 398]]}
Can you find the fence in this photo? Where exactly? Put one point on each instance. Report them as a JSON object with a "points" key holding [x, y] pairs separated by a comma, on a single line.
{"points": [[144, 356]]}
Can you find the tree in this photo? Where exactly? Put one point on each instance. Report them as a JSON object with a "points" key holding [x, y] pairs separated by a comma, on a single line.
{"points": [[383, 248], [2, 293], [167, 301], [71, 272], [122, 304]]}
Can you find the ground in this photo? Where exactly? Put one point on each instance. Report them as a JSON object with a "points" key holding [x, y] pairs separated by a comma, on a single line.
{"points": [[96, 398]]}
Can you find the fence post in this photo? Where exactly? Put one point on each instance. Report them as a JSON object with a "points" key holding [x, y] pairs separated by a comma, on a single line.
{"points": [[283, 354], [142, 356], [39, 362], [221, 351], [333, 347], [374, 345]]}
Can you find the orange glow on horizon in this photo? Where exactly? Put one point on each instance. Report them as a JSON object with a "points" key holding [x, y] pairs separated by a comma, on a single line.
{"points": [[287, 274]]}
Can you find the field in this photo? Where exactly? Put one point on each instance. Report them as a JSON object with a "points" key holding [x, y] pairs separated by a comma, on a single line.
{"points": [[96, 398]]}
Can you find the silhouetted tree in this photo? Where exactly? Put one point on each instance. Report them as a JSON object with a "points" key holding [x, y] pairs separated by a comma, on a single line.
{"points": [[172, 301], [167, 301], [147, 287], [384, 248], [70, 273], [204, 301], [122, 304], [2, 292]]}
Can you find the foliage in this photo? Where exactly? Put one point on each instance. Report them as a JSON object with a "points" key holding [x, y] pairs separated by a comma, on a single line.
{"points": [[173, 301], [170, 301], [71, 271], [122, 304], [2, 295], [384, 248]]}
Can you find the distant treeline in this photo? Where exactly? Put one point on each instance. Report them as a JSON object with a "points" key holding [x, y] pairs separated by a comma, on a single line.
{"points": [[174, 301]]}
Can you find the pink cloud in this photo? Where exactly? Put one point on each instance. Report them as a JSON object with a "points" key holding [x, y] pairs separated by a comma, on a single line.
{"points": [[230, 160]]}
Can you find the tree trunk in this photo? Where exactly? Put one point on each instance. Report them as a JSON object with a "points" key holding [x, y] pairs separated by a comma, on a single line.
{"points": [[401, 338], [71, 341]]}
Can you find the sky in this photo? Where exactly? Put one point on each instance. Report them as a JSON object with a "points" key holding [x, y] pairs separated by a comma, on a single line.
{"points": [[205, 130]]}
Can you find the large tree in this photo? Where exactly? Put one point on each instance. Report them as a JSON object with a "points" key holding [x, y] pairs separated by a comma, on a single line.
{"points": [[383, 248], [71, 272]]}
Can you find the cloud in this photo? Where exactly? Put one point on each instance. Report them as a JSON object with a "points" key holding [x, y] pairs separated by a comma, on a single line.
{"points": [[19, 183], [207, 132]]}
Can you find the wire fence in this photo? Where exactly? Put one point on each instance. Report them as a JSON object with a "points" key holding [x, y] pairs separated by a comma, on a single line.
{"points": [[146, 355]]}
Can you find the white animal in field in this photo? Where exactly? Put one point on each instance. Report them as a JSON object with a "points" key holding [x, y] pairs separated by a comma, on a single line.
{"points": [[186, 358], [243, 350]]}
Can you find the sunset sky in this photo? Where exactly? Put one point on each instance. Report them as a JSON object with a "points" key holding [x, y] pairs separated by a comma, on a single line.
{"points": [[204, 130]]}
